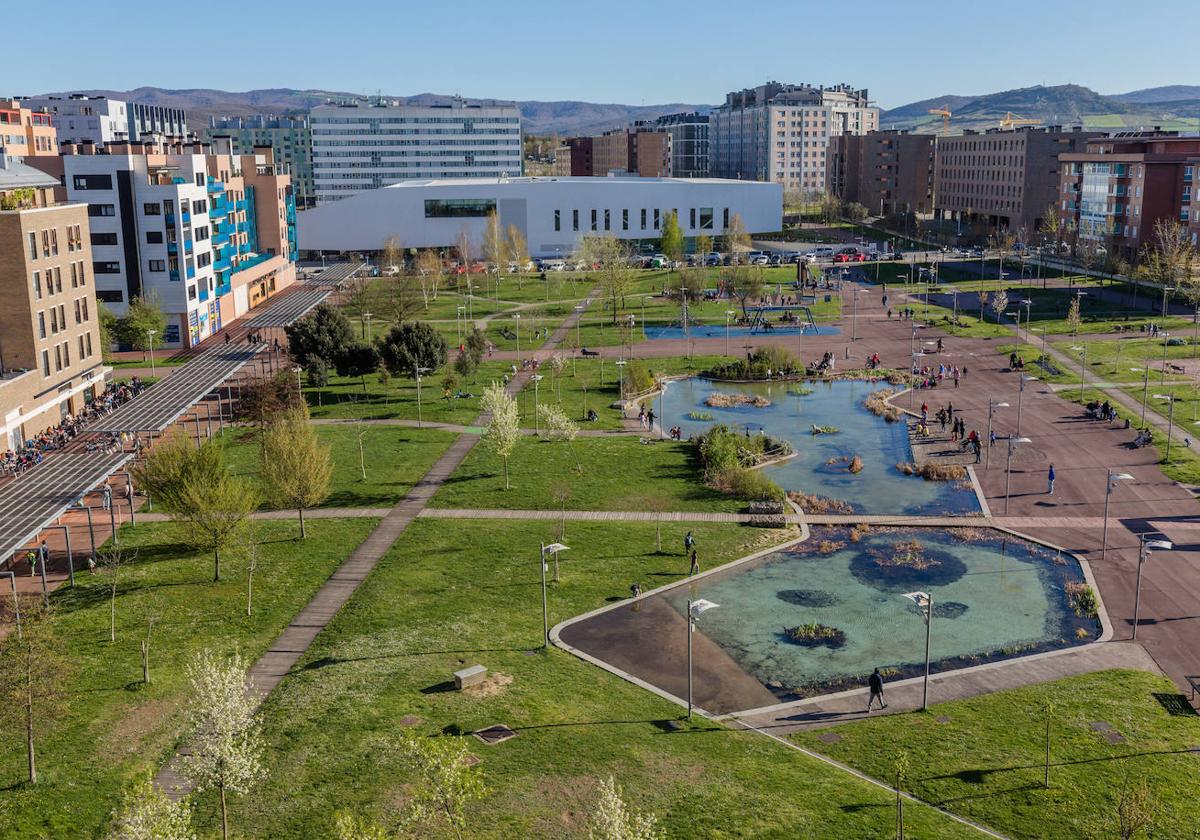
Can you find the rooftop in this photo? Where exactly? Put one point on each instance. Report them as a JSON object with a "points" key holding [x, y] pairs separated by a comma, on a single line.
{"points": [[547, 179]]}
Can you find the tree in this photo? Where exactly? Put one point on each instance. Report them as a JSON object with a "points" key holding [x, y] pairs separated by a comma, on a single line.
{"points": [[393, 255], [465, 250], [983, 300], [444, 781], [476, 345], [251, 567], [1171, 259], [999, 304], [109, 329], [173, 464], [737, 241], [358, 359], [111, 562], [831, 207], [150, 605], [1135, 808], [222, 730], [1073, 317], [410, 346], [294, 465], [900, 768], [518, 250], [560, 427], [610, 256], [143, 316], [504, 425], [402, 296], [560, 492], [214, 511], [672, 237], [320, 335], [495, 244], [147, 813], [704, 246], [430, 270], [744, 282], [349, 827], [33, 674], [1048, 714], [855, 212], [612, 819]]}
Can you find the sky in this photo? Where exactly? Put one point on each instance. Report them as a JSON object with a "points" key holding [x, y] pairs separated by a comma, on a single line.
{"points": [[632, 53]]}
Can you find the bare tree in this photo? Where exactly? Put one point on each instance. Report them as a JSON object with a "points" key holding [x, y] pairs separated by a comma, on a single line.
{"points": [[560, 492], [251, 567], [610, 257], [518, 252], [33, 674], [112, 561], [1136, 808], [393, 254], [465, 249], [737, 240], [429, 272]]}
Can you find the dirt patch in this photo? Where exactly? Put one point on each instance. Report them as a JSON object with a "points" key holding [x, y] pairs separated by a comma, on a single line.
{"points": [[127, 735], [494, 684]]}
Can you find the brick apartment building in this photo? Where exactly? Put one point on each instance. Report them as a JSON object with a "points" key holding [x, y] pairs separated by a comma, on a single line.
{"points": [[885, 171], [574, 157], [1116, 191], [50, 355], [1004, 180], [638, 150]]}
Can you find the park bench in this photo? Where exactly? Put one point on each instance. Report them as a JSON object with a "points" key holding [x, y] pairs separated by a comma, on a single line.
{"points": [[587, 352], [469, 676]]}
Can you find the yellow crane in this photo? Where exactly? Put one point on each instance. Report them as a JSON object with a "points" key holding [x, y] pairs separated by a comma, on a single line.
{"points": [[1011, 120], [945, 114]]}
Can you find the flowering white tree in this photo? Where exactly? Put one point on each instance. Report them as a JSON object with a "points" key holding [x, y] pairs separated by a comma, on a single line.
{"points": [[504, 426], [999, 304], [560, 427], [612, 819], [444, 779], [147, 813], [222, 730], [350, 827]]}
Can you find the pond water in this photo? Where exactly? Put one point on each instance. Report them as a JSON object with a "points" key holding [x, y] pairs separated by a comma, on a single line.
{"points": [[819, 467], [995, 597], [718, 331]]}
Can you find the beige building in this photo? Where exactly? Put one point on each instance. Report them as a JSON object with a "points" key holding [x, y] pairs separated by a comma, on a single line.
{"points": [[25, 132], [50, 359]]}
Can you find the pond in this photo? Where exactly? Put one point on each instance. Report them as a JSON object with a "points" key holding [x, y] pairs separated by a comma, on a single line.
{"points": [[820, 466]]}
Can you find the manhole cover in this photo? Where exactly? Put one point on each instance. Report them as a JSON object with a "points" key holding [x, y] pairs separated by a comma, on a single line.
{"points": [[829, 737], [410, 720], [494, 734], [1101, 726], [1114, 737]]}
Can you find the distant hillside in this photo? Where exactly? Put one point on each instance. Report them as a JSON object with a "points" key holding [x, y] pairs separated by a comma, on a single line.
{"points": [[1163, 95], [563, 118], [918, 112]]}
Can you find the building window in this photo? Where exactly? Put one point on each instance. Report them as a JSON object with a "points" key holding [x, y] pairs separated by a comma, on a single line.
{"points": [[45, 362], [459, 208], [158, 265], [57, 278], [154, 237], [575, 220], [110, 295], [725, 219], [58, 357], [557, 220], [692, 218], [608, 220], [593, 220], [82, 354], [41, 325], [656, 218], [643, 218], [706, 218], [78, 312], [625, 219], [101, 210], [37, 285], [89, 344], [92, 182], [33, 255], [104, 239], [106, 268], [199, 207], [152, 208]]}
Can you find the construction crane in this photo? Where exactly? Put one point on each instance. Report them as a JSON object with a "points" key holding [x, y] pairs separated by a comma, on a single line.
{"points": [[945, 114], [1011, 120]]}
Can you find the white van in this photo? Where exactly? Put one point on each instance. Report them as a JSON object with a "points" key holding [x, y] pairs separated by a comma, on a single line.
{"points": [[554, 265]]}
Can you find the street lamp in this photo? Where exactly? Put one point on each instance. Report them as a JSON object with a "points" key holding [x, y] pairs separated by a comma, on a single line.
{"points": [[1111, 484], [1021, 393], [366, 318], [517, 330], [299, 388], [553, 549], [1012, 445], [695, 610], [1028, 304], [419, 370], [1082, 351], [1043, 331], [537, 377], [460, 312], [924, 602], [1143, 556], [579, 318], [1170, 421], [150, 343], [620, 363], [992, 406], [1163, 379], [854, 315], [1145, 389], [729, 313]]}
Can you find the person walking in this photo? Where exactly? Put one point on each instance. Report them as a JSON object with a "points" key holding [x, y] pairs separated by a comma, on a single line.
{"points": [[106, 497], [689, 542], [695, 570], [875, 681], [44, 555], [1050, 480], [129, 493]]}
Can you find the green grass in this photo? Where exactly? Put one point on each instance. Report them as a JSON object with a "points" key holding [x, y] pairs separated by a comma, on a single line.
{"points": [[666, 474], [986, 763], [346, 397], [1031, 354], [396, 458], [159, 361], [111, 727], [451, 594], [1114, 360]]}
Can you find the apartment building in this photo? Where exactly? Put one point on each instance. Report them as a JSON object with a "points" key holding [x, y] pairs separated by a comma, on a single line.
{"points": [[885, 171], [289, 137], [782, 133], [359, 145], [640, 150], [207, 234], [25, 132], [688, 135], [1114, 193], [50, 359], [1004, 180], [99, 120], [574, 158]]}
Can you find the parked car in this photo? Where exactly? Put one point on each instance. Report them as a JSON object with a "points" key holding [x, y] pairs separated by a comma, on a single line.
{"points": [[713, 258], [554, 265]]}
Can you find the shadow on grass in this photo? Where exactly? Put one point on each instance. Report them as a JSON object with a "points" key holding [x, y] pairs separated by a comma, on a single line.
{"points": [[328, 661]]}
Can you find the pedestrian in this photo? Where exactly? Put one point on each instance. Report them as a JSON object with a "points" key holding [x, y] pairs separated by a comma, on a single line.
{"points": [[92, 565], [44, 555], [695, 564], [978, 450], [1050, 480], [32, 558], [650, 418], [689, 542], [875, 681], [635, 590], [129, 493], [106, 497], [226, 338]]}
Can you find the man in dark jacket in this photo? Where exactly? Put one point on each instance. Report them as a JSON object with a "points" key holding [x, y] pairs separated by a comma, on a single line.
{"points": [[876, 683]]}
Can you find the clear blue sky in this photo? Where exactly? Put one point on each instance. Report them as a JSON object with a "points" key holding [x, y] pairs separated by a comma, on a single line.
{"points": [[615, 51]]}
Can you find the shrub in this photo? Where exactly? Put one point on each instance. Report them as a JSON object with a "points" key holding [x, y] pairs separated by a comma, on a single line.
{"points": [[772, 357], [638, 380], [750, 485], [1082, 600]]}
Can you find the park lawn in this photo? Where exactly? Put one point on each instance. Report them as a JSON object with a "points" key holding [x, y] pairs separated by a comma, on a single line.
{"points": [[452, 594], [346, 397], [112, 728], [987, 762], [967, 326], [666, 476], [159, 361], [1050, 371], [396, 457], [1125, 359]]}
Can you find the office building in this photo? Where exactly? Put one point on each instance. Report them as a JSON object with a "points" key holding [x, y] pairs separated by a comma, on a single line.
{"points": [[207, 234], [638, 150], [99, 120], [688, 135], [1115, 192], [50, 359], [289, 137], [359, 146], [1003, 180], [574, 158], [553, 213], [25, 132], [781, 133], [887, 172]]}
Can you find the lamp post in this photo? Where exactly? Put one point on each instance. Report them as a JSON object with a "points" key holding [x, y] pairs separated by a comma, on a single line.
{"points": [[366, 319], [1163, 379], [854, 315], [552, 548], [419, 370], [1043, 331], [992, 406], [517, 331], [924, 602], [620, 363], [1012, 445], [1110, 484], [1145, 389], [729, 313], [299, 388], [1143, 556], [537, 377], [1028, 304], [1170, 421], [695, 610], [150, 343], [912, 378], [460, 313], [1166, 291], [1021, 393], [1082, 351]]}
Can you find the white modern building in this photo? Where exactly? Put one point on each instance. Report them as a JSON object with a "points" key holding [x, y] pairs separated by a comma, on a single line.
{"points": [[99, 120], [359, 146], [553, 213]]}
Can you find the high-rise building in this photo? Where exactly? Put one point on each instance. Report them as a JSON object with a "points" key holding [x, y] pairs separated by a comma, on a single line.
{"points": [[99, 120], [50, 359], [25, 132], [688, 142], [885, 171], [640, 149], [289, 137], [781, 133], [1115, 192], [574, 157], [1003, 179], [360, 145], [207, 234]]}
